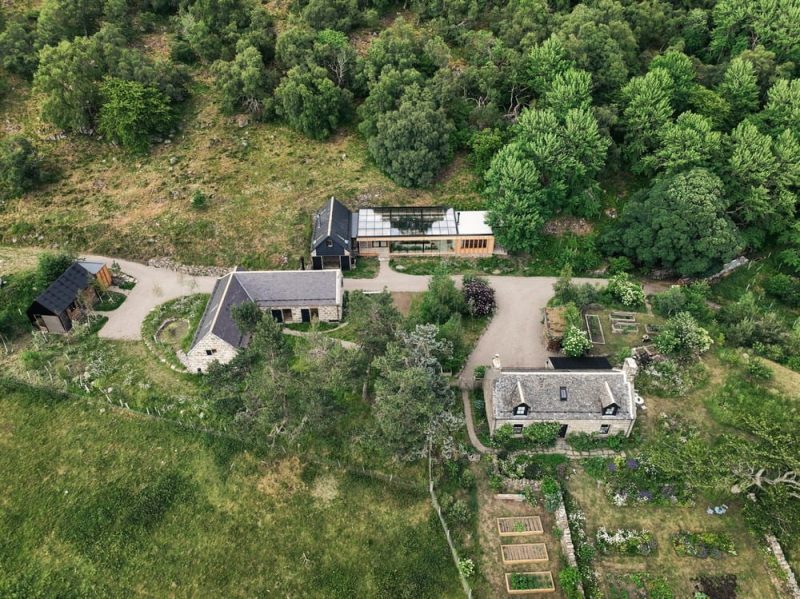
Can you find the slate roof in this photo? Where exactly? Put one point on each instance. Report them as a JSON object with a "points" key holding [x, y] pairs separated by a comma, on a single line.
{"points": [[587, 393], [332, 220], [586, 363], [92, 267], [268, 289], [65, 289]]}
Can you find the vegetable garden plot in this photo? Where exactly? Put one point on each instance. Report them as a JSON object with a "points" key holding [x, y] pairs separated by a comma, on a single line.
{"points": [[517, 526], [519, 583], [595, 328], [524, 553]]}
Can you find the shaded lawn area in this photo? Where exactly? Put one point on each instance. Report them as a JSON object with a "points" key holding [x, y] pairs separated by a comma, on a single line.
{"points": [[365, 268], [749, 566], [109, 300], [97, 503], [615, 342]]}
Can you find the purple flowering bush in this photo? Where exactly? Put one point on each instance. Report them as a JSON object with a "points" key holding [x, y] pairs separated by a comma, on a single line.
{"points": [[479, 296]]}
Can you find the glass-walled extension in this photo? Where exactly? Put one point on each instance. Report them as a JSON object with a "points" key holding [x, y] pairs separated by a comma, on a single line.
{"points": [[427, 231]]}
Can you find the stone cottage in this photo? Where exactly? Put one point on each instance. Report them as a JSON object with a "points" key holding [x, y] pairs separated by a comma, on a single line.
{"points": [[288, 296], [600, 401]]}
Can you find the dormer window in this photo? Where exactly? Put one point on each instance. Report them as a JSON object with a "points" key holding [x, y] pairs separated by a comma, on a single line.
{"points": [[521, 410], [610, 410], [562, 393]]}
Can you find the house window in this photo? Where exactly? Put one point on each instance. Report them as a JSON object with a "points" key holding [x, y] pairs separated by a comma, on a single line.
{"points": [[210, 352], [562, 392], [521, 410], [604, 429], [329, 243], [517, 429], [610, 411]]}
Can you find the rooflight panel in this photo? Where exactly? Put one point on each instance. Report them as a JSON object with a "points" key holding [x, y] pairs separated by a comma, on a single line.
{"points": [[562, 392]]}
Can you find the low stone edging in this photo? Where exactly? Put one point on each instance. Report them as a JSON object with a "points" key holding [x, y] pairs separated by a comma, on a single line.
{"points": [[194, 271], [791, 580]]}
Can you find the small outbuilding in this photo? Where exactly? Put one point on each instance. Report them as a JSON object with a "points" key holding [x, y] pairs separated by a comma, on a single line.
{"points": [[331, 240], [69, 297]]}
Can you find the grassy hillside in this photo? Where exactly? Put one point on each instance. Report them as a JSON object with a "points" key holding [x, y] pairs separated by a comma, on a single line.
{"points": [[263, 182], [100, 504]]}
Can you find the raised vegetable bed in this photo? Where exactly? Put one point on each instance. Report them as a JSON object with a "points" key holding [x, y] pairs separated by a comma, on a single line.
{"points": [[520, 583]]}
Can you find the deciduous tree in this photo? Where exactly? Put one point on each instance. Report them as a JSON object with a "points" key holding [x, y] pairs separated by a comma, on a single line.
{"points": [[655, 231], [310, 102]]}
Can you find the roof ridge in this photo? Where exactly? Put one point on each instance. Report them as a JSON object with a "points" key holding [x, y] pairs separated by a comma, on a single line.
{"points": [[221, 302]]}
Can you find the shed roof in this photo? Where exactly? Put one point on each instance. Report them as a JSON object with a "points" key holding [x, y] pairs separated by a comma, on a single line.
{"points": [[585, 363], [65, 289], [332, 220], [268, 289], [587, 393], [92, 267]]}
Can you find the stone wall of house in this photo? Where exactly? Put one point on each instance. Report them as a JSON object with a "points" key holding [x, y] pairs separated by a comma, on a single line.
{"points": [[578, 426], [197, 360], [326, 313]]}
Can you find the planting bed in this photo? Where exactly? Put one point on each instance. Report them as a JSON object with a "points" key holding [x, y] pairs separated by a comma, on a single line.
{"points": [[524, 553], [517, 526], [519, 583]]}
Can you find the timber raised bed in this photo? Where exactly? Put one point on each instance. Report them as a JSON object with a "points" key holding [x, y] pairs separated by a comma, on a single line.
{"points": [[524, 553], [519, 526], [521, 583]]}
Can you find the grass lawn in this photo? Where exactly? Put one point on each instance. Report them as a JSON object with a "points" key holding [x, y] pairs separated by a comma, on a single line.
{"points": [[365, 268], [100, 504], [109, 300], [749, 566], [305, 327], [615, 342]]}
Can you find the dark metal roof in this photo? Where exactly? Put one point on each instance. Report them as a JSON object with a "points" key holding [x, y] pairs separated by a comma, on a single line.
{"points": [[587, 363], [278, 288], [65, 289], [332, 220]]}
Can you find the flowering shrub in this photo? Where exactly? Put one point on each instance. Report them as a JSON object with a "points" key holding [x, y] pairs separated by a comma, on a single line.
{"points": [[636, 480], [466, 566], [479, 296], [541, 434], [625, 541], [703, 544], [584, 550], [575, 342], [628, 293], [682, 337]]}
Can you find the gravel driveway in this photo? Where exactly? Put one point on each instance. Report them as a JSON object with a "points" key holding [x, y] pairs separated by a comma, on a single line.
{"points": [[515, 332], [154, 286]]}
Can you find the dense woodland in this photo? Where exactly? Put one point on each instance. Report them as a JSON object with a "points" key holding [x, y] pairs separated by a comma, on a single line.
{"points": [[693, 106]]}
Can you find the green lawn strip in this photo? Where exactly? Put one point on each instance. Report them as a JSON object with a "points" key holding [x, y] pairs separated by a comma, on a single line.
{"points": [[365, 268], [109, 300], [89, 490]]}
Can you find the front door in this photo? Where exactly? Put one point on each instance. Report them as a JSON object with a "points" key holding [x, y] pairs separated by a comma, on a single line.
{"points": [[277, 315], [305, 315], [562, 432]]}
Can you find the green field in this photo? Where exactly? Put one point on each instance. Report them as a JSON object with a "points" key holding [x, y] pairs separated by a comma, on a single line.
{"points": [[100, 503]]}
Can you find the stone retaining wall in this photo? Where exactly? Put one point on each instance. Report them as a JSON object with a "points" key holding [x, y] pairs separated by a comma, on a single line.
{"points": [[791, 580], [195, 271]]}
